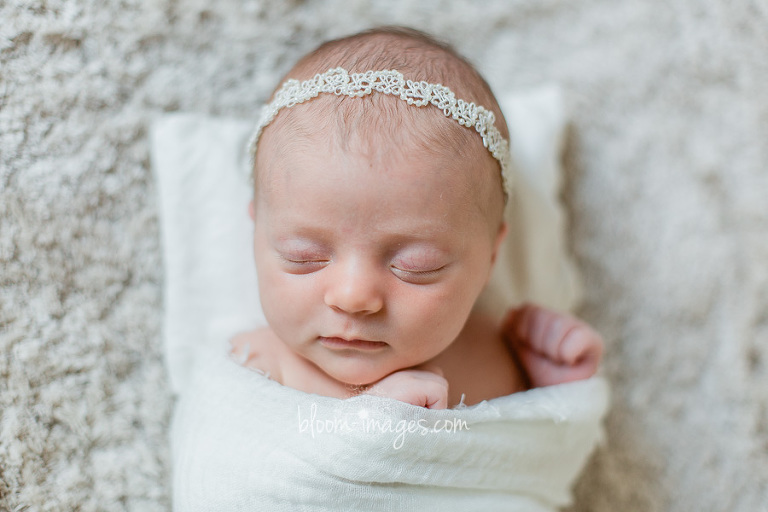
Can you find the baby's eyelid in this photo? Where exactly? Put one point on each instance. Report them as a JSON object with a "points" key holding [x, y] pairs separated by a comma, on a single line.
{"points": [[422, 273], [302, 259], [305, 260], [418, 277]]}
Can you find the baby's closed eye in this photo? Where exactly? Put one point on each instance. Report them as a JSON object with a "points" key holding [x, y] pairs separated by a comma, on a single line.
{"points": [[302, 258], [417, 276], [418, 265], [303, 264]]}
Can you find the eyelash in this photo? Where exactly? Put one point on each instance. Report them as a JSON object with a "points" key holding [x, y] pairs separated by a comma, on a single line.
{"points": [[291, 260], [302, 263], [419, 274], [416, 274]]}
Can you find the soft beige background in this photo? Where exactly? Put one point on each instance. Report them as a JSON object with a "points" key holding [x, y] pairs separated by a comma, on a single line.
{"points": [[667, 189]]}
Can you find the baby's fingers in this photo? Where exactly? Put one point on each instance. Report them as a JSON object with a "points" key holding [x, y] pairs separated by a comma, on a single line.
{"points": [[434, 395], [556, 335], [543, 371], [581, 346], [417, 387]]}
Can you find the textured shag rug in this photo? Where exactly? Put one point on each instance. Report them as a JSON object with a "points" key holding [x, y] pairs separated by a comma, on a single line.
{"points": [[666, 191]]}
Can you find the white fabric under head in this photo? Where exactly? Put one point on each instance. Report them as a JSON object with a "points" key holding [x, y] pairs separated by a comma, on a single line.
{"points": [[210, 287], [340, 82]]}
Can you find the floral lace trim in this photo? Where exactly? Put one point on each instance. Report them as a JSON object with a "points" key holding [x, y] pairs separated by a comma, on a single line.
{"points": [[338, 81]]}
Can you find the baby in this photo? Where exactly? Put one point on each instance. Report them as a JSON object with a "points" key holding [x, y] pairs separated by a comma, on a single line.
{"points": [[378, 215]]}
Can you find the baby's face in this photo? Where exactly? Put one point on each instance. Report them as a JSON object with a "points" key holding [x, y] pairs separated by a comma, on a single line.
{"points": [[368, 263]]}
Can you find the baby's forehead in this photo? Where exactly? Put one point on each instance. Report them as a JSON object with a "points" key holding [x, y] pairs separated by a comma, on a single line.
{"points": [[379, 132], [370, 125]]}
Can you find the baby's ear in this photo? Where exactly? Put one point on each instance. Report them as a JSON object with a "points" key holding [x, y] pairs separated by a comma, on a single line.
{"points": [[251, 210], [499, 239]]}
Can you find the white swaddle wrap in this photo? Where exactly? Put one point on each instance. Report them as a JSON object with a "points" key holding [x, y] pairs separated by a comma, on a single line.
{"points": [[237, 436], [243, 442]]}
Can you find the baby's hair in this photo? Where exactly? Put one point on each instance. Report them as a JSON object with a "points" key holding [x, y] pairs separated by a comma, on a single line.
{"points": [[419, 56], [359, 122]]}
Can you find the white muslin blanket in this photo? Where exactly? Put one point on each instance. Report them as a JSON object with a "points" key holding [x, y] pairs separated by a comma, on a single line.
{"points": [[243, 442]]}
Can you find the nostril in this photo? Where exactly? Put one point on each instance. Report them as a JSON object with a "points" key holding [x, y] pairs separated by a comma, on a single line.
{"points": [[353, 287], [354, 303]]}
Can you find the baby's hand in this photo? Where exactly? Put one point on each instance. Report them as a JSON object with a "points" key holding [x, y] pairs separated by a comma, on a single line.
{"points": [[554, 348], [423, 386]]}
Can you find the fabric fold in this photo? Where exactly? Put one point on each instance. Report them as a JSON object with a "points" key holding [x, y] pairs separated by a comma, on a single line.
{"points": [[242, 441]]}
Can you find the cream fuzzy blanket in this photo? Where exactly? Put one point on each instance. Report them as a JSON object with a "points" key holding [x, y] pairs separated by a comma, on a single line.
{"points": [[665, 188]]}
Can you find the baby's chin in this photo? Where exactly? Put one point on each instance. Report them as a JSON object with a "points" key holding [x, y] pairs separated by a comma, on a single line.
{"points": [[351, 373], [356, 378]]}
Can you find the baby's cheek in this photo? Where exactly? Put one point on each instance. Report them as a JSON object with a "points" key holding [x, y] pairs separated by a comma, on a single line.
{"points": [[434, 320], [284, 295], [457, 307], [274, 294]]}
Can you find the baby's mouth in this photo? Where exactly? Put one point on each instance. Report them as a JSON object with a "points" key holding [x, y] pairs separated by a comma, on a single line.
{"points": [[336, 342]]}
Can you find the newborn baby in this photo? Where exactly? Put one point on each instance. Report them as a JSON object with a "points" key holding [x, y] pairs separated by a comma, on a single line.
{"points": [[378, 215]]}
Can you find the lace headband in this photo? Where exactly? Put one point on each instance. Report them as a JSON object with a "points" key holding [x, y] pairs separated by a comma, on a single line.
{"points": [[340, 82]]}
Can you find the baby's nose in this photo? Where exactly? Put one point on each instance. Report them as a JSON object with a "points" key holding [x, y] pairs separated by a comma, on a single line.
{"points": [[354, 289]]}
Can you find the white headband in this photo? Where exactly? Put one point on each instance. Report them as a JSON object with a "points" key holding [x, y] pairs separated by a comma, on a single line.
{"points": [[338, 81]]}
